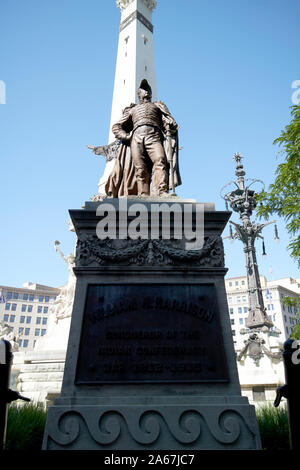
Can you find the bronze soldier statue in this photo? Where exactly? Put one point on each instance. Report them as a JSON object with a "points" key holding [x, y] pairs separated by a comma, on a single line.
{"points": [[147, 160]]}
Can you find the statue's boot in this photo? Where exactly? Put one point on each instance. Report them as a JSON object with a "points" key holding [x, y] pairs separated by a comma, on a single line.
{"points": [[143, 188]]}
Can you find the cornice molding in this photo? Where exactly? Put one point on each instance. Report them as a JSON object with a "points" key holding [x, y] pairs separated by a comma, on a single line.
{"points": [[123, 4]]}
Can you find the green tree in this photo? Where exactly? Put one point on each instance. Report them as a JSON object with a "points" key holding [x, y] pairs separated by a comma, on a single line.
{"points": [[294, 302], [283, 197]]}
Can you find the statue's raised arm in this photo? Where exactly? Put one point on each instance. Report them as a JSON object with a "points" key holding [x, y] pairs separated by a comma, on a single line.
{"points": [[56, 243]]}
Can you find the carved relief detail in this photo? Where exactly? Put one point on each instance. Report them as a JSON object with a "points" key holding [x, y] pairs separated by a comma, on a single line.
{"points": [[144, 425], [93, 251]]}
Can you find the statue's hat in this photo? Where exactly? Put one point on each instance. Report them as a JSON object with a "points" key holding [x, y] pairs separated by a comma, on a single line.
{"points": [[145, 85]]}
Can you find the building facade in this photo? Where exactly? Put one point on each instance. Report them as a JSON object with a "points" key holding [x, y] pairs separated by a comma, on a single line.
{"points": [[259, 379], [26, 309], [284, 317]]}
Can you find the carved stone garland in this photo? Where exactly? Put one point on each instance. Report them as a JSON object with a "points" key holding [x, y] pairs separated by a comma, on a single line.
{"points": [[92, 250]]}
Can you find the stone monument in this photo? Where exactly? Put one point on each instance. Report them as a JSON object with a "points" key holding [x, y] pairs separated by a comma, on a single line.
{"points": [[150, 361], [135, 61], [39, 372]]}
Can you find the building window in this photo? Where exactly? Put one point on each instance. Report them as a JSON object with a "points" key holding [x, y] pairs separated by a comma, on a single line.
{"points": [[232, 321], [238, 299], [230, 283], [5, 317], [21, 331], [14, 307], [25, 343], [39, 309], [244, 298], [233, 332], [41, 298], [20, 343], [25, 296], [45, 309], [47, 298], [229, 300], [240, 309], [7, 306], [27, 331], [37, 332], [241, 321], [38, 320], [31, 297], [24, 308], [259, 394], [231, 310], [43, 332], [9, 295], [12, 318], [243, 283], [245, 309], [22, 319], [44, 321], [236, 283], [15, 295], [29, 308], [28, 319]]}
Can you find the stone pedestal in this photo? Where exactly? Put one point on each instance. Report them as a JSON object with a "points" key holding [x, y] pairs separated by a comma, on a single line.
{"points": [[150, 361], [260, 366]]}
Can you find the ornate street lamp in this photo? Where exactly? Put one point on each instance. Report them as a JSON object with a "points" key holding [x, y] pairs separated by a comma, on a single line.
{"points": [[242, 200]]}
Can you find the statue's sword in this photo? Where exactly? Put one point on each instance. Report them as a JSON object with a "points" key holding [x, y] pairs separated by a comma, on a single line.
{"points": [[170, 159]]}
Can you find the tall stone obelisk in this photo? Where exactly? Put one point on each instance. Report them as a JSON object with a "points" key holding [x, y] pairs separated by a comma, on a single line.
{"points": [[135, 61]]}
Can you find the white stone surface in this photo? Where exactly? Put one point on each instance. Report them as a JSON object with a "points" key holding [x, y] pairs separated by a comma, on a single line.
{"points": [[135, 61], [40, 373]]}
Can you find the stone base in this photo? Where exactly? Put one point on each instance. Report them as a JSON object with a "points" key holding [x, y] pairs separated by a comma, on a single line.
{"points": [[150, 361], [155, 423], [39, 374]]}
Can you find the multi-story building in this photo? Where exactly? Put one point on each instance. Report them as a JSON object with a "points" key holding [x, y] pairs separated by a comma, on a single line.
{"points": [[284, 317], [26, 310], [259, 380]]}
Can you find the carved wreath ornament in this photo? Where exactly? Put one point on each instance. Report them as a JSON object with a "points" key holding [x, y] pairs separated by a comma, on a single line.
{"points": [[91, 250]]}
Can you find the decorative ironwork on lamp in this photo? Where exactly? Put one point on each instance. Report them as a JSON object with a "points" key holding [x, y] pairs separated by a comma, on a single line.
{"points": [[242, 199]]}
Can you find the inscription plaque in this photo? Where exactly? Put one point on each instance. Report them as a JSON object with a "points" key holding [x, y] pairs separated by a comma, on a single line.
{"points": [[151, 333]]}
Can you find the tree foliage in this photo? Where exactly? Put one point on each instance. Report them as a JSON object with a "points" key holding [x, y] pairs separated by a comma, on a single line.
{"points": [[294, 302], [283, 197]]}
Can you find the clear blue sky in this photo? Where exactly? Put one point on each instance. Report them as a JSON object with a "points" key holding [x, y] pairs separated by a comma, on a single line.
{"points": [[224, 68]]}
